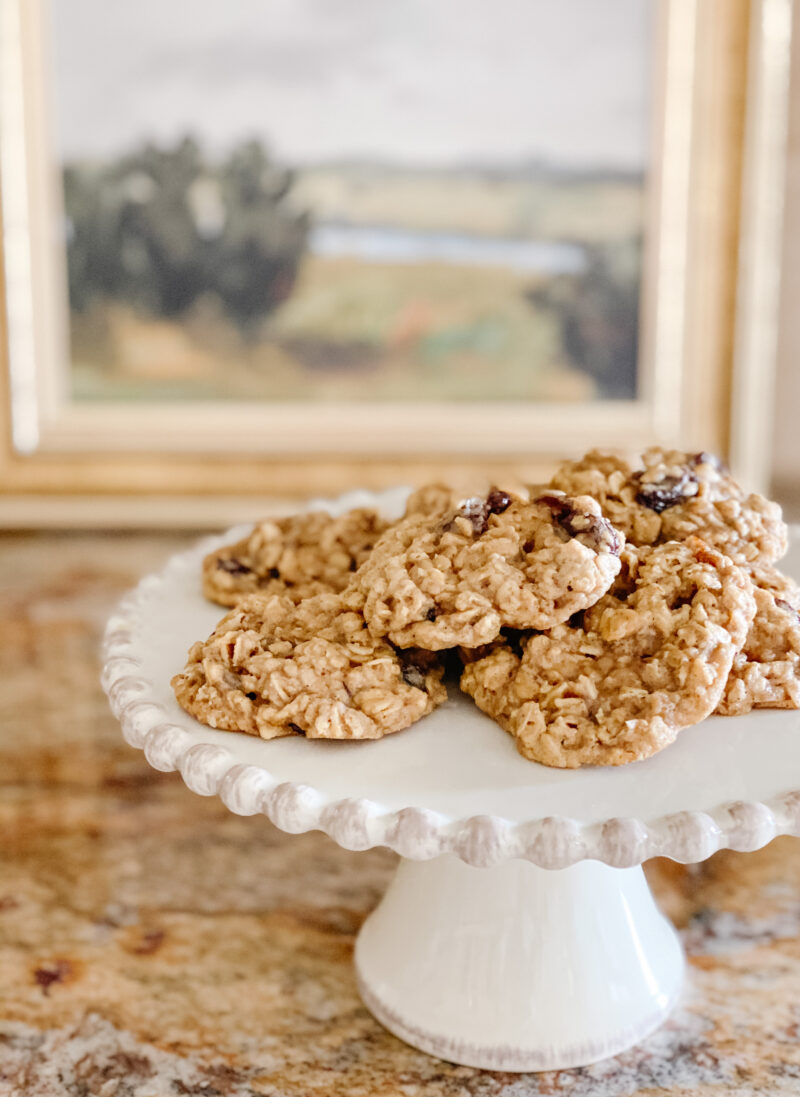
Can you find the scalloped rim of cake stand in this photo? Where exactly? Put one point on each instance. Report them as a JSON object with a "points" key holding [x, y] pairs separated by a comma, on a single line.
{"points": [[552, 842]]}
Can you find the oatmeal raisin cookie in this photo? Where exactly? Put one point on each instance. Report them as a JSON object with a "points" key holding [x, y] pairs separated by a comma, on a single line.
{"points": [[619, 681], [273, 668], [670, 495], [299, 556], [766, 672], [438, 582]]}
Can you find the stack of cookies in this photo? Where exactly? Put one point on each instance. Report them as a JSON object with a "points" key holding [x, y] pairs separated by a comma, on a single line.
{"points": [[592, 618]]}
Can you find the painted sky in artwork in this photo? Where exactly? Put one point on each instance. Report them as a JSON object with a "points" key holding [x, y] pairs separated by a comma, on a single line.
{"points": [[428, 82]]}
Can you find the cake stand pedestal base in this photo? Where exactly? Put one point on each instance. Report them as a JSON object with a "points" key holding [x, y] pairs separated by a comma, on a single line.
{"points": [[516, 967]]}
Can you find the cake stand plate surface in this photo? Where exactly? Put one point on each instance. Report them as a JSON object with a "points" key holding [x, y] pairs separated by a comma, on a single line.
{"points": [[519, 932]]}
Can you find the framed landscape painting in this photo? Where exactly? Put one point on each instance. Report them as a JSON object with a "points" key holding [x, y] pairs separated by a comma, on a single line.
{"points": [[284, 248]]}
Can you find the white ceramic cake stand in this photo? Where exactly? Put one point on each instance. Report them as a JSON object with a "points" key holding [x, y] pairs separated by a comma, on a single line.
{"points": [[519, 932]]}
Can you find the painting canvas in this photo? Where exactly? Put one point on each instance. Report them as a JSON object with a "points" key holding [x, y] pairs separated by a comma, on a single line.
{"points": [[292, 200]]}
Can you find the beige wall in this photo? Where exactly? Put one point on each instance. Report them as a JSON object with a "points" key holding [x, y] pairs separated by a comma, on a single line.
{"points": [[786, 453]]}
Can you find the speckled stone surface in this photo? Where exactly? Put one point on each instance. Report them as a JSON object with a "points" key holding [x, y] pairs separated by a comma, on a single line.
{"points": [[153, 944]]}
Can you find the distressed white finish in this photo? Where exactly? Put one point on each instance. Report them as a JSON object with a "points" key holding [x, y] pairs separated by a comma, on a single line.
{"points": [[512, 968], [516, 967]]}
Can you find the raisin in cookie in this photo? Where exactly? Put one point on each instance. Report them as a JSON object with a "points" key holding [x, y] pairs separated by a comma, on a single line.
{"points": [[299, 556], [273, 668], [672, 495], [619, 683], [766, 672], [438, 582]]}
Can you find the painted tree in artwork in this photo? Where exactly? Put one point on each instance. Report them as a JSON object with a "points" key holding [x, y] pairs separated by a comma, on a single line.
{"points": [[597, 311], [161, 227]]}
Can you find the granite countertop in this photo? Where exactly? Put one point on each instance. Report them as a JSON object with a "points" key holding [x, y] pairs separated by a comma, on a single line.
{"points": [[153, 944]]}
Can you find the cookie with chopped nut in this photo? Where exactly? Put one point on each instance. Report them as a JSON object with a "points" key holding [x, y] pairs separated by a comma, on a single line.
{"points": [[766, 672], [299, 556], [499, 560], [669, 496], [619, 681], [274, 668]]}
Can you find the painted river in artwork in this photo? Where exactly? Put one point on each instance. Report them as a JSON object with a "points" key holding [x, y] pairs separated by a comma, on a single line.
{"points": [[390, 244]]}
